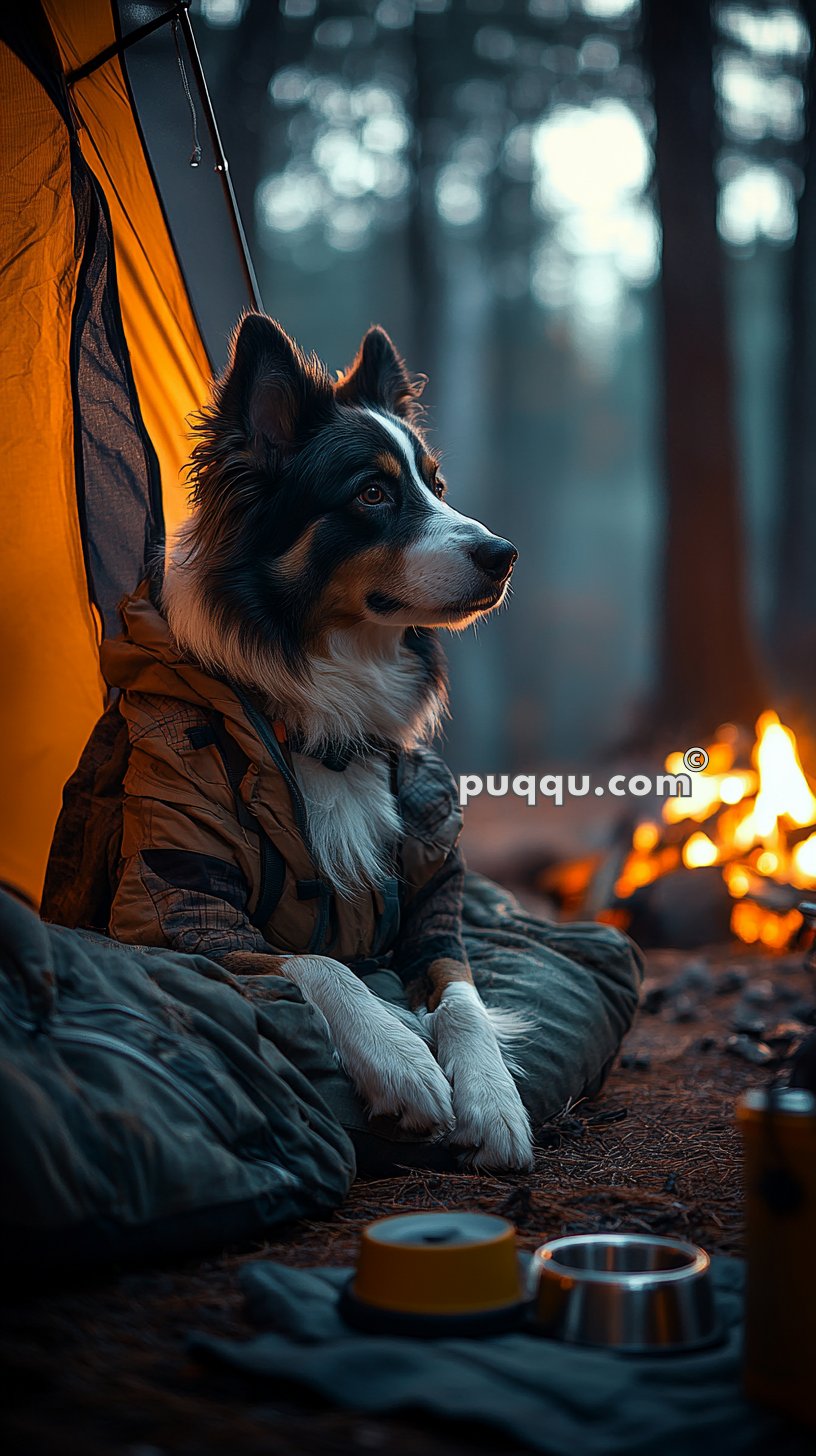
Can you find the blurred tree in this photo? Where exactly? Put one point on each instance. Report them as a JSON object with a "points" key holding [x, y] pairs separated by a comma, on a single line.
{"points": [[794, 627], [253, 51], [708, 669], [423, 266]]}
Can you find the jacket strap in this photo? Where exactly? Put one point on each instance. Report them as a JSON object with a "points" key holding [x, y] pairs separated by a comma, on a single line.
{"points": [[388, 920], [273, 865]]}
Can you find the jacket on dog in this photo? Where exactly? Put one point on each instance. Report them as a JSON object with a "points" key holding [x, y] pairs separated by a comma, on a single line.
{"points": [[213, 856]]}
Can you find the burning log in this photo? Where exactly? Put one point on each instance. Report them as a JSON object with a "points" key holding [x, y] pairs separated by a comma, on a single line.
{"points": [[681, 910]]}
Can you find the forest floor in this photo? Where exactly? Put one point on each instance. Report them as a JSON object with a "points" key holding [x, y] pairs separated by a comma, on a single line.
{"points": [[103, 1371]]}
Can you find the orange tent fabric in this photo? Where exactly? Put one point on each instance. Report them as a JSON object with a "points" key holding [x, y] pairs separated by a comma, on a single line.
{"points": [[170, 363], [91, 387], [52, 689]]}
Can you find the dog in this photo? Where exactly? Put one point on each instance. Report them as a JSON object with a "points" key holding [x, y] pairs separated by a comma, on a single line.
{"points": [[319, 561]]}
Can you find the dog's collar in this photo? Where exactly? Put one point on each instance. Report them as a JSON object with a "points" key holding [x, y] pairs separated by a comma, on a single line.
{"points": [[336, 756]]}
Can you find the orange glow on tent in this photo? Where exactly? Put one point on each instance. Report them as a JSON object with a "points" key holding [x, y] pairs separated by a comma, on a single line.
{"points": [[56, 139]]}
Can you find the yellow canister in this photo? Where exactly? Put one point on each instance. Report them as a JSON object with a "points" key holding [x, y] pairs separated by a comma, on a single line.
{"points": [[438, 1264], [779, 1148]]}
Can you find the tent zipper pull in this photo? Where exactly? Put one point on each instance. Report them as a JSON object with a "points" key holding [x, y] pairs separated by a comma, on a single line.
{"points": [[195, 157]]}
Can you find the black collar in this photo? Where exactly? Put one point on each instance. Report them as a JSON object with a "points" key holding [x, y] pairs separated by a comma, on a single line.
{"points": [[336, 756]]}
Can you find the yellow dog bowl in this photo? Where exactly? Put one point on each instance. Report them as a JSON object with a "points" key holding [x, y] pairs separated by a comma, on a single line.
{"points": [[436, 1273]]}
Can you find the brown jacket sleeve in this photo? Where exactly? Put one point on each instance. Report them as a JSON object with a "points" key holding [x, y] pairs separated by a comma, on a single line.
{"points": [[431, 929], [188, 867]]}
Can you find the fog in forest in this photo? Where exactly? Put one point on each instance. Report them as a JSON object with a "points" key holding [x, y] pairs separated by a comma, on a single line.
{"points": [[480, 178]]}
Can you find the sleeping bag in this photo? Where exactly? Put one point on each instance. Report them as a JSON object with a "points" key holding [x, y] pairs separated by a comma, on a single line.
{"points": [[146, 1107]]}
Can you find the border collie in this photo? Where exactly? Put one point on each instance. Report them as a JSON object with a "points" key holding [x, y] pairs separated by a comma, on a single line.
{"points": [[320, 556]]}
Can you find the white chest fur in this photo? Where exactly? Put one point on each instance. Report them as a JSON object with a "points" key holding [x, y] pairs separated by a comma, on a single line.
{"points": [[353, 819]]}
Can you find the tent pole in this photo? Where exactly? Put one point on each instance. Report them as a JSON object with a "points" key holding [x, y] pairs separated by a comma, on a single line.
{"points": [[221, 164], [118, 47], [178, 14]]}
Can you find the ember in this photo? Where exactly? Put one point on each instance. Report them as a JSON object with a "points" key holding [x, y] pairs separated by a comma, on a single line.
{"points": [[751, 814]]}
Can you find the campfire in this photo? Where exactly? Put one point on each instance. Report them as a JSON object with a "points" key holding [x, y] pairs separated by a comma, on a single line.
{"points": [[751, 819], [734, 858]]}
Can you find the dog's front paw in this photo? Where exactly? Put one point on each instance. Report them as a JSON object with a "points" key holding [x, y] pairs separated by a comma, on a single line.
{"points": [[395, 1072], [491, 1121], [390, 1065], [490, 1117]]}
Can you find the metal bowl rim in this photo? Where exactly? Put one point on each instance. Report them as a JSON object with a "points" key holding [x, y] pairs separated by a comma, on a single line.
{"points": [[545, 1260]]}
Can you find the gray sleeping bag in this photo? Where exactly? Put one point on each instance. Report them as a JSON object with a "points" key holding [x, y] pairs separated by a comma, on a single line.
{"points": [[145, 1106], [152, 1103]]}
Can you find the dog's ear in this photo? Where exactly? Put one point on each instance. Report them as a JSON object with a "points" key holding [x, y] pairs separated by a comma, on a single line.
{"points": [[378, 377], [271, 393]]}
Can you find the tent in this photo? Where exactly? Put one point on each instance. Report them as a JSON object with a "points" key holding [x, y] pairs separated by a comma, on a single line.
{"points": [[103, 356]]}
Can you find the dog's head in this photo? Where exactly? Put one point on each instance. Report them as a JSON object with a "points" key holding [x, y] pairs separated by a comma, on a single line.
{"points": [[320, 506]]}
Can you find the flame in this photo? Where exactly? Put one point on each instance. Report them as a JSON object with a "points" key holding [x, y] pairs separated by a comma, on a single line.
{"points": [[699, 850], [721, 783], [738, 881], [803, 862], [749, 817], [645, 837], [784, 791], [733, 788]]}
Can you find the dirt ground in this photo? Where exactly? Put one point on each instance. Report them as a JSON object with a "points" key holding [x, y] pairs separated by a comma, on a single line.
{"points": [[103, 1371]]}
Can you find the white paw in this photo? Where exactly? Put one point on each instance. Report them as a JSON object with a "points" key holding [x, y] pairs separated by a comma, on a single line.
{"points": [[395, 1071], [391, 1067], [490, 1116]]}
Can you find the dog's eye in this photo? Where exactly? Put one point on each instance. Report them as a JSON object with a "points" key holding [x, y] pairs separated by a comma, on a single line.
{"points": [[438, 489], [373, 495]]}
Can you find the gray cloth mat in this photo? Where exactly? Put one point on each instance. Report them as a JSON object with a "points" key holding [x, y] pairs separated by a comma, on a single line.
{"points": [[548, 1396]]}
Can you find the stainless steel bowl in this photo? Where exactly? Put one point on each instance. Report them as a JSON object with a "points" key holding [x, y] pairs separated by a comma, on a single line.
{"points": [[624, 1291]]}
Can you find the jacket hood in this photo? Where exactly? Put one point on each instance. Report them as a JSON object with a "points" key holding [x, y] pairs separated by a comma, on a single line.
{"points": [[146, 659]]}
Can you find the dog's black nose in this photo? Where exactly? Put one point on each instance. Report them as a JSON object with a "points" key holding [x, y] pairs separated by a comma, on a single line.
{"points": [[495, 557]]}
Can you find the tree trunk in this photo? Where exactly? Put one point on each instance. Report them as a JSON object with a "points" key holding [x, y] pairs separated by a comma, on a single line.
{"points": [[794, 627], [257, 48], [708, 665], [422, 263]]}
